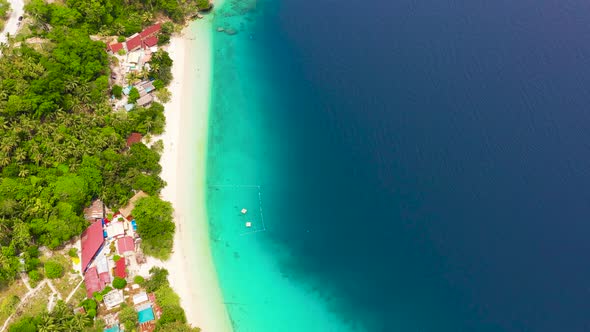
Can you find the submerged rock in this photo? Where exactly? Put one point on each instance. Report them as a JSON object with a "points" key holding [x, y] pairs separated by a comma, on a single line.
{"points": [[220, 29], [231, 31]]}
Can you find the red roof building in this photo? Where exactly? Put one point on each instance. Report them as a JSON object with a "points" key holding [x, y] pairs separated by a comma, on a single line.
{"points": [[93, 282], [150, 41], [120, 268], [104, 277], [133, 43], [133, 138], [115, 47], [150, 31], [125, 244], [92, 240]]}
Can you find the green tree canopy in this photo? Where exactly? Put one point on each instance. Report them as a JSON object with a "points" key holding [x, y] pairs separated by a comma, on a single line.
{"points": [[53, 270], [119, 283], [133, 95], [155, 226]]}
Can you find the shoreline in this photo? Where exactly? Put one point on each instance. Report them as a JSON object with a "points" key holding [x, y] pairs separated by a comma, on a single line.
{"points": [[192, 273]]}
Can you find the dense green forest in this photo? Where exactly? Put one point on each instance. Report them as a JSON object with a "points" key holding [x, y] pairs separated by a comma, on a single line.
{"points": [[110, 17], [61, 144]]}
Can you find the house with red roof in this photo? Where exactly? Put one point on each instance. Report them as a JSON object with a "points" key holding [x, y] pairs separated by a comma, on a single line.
{"points": [[147, 38], [105, 278], [125, 244], [92, 240], [115, 47], [93, 282], [150, 31], [120, 268], [150, 41], [133, 43]]}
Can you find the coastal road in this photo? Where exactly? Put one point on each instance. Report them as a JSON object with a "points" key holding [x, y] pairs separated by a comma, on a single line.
{"points": [[16, 11]]}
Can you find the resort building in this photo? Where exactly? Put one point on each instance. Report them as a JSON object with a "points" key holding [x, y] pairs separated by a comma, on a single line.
{"points": [[146, 39], [150, 31], [145, 100], [133, 43]]}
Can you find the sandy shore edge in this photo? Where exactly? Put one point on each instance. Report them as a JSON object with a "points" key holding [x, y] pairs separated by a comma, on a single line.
{"points": [[192, 273]]}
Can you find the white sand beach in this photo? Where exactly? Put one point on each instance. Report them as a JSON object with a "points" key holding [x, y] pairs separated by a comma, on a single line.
{"points": [[192, 273]]}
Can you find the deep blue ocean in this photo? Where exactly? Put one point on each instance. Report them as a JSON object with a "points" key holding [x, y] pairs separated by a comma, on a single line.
{"points": [[423, 165]]}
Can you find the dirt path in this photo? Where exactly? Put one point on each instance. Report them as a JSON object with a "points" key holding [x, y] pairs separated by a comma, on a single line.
{"points": [[23, 301], [74, 291]]}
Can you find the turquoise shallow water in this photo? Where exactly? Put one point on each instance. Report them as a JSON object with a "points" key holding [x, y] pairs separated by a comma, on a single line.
{"points": [[244, 171]]}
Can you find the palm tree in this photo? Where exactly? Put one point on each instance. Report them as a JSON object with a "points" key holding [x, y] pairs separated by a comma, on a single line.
{"points": [[20, 155], [146, 16], [144, 73], [118, 28], [23, 172], [9, 143], [37, 157], [4, 159], [84, 95], [71, 85], [148, 124], [60, 157], [4, 123], [47, 324], [81, 321]]}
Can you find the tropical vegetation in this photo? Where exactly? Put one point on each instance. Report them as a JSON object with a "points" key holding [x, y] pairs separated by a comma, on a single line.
{"points": [[62, 145], [155, 226], [61, 318]]}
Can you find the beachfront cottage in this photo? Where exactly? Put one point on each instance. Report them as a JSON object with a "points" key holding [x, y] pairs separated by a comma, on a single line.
{"points": [[96, 211], [145, 100], [146, 39], [150, 31], [147, 86], [150, 42], [92, 240]]}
